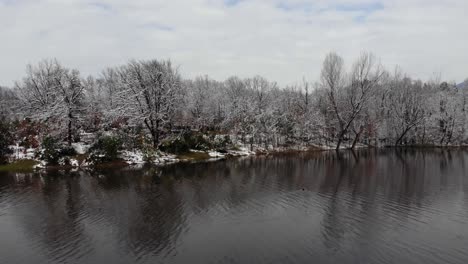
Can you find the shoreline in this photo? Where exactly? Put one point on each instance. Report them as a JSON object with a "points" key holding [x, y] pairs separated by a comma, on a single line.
{"points": [[194, 156]]}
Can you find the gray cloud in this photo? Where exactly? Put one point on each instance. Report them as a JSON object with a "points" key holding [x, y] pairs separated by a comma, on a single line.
{"points": [[281, 40]]}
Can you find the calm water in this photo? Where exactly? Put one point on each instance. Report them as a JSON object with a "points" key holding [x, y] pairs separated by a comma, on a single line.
{"points": [[373, 207]]}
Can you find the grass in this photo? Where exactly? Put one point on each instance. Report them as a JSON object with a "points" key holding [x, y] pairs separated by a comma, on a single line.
{"points": [[194, 156], [19, 166]]}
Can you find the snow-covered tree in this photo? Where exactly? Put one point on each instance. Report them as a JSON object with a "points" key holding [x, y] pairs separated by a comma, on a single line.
{"points": [[349, 95], [52, 93], [148, 92]]}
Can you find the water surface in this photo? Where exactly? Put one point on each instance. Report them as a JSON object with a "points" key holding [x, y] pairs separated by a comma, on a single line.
{"points": [[382, 206]]}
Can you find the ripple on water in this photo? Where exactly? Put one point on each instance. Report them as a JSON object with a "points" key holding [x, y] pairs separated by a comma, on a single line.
{"points": [[375, 207]]}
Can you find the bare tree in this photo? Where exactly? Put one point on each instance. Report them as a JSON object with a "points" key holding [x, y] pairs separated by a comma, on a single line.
{"points": [[406, 103], [149, 93], [50, 91], [366, 75], [332, 80], [348, 99], [357, 106]]}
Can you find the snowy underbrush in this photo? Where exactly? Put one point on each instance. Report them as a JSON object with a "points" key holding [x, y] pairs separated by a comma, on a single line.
{"points": [[250, 149], [154, 157], [49, 158], [112, 149]]}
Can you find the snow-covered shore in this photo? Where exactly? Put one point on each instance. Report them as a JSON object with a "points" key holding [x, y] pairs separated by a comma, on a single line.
{"points": [[156, 157], [129, 157], [159, 158]]}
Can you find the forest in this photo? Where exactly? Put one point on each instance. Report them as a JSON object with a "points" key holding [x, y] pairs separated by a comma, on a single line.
{"points": [[146, 106]]}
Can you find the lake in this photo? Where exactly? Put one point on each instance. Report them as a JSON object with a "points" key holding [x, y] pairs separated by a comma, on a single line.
{"points": [[371, 206]]}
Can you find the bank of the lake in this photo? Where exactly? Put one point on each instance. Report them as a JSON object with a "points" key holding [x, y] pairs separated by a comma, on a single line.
{"points": [[136, 158]]}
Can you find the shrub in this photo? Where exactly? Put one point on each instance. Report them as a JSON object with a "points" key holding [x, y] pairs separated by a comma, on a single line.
{"points": [[106, 149], [185, 143], [174, 145], [51, 152], [221, 142], [67, 151], [197, 141], [5, 141], [27, 132], [149, 154]]}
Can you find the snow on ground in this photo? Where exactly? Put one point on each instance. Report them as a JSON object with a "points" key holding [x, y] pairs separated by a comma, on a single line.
{"points": [[41, 165], [137, 157], [243, 151], [133, 157], [80, 148], [216, 154], [20, 152], [164, 158], [74, 163]]}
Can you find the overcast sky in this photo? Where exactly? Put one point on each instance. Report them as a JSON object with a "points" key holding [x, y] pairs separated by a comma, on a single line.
{"points": [[283, 40]]}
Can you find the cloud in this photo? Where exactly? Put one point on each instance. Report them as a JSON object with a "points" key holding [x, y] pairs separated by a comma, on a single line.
{"points": [[283, 40], [101, 5]]}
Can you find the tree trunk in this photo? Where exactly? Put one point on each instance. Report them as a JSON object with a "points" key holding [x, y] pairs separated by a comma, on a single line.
{"points": [[338, 144], [153, 131], [157, 134], [398, 142], [356, 138], [69, 137]]}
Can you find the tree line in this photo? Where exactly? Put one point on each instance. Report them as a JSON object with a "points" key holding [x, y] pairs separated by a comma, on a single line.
{"points": [[363, 104]]}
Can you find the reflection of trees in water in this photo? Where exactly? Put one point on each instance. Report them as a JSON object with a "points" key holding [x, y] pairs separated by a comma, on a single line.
{"points": [[334, 221], [145, 216], [234, 182], [145, 219], [51, 216], [361, 190], [149, 210]]}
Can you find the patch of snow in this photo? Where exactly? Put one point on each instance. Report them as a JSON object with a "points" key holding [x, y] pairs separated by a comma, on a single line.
{"points": [[80, 148], [165, 158], [74, 163], [216, 154], [30, 153], [42, 164], [241, 152], [86, 163], [133, 157]]}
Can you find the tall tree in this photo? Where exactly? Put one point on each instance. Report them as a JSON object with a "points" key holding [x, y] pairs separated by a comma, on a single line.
{"points": [[149, 92], [50, 91]]}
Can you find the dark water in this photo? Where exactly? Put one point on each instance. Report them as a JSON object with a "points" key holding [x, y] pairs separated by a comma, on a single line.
{"points": [[373, 207]]}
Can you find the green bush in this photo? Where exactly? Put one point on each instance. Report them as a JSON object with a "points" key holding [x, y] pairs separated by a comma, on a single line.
{"points": [[51, 152], [197, 141], [106, 149], [67, 151], [149, 154], [189, 140], [185, 142], [174, 145], [5, 141], [221, 143]]}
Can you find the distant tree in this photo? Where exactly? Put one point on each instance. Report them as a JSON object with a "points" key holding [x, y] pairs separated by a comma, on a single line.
{"points": [[8, 103], [347, 100], [406, 106], [147, 99], [203, 102], [366, 75]]}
